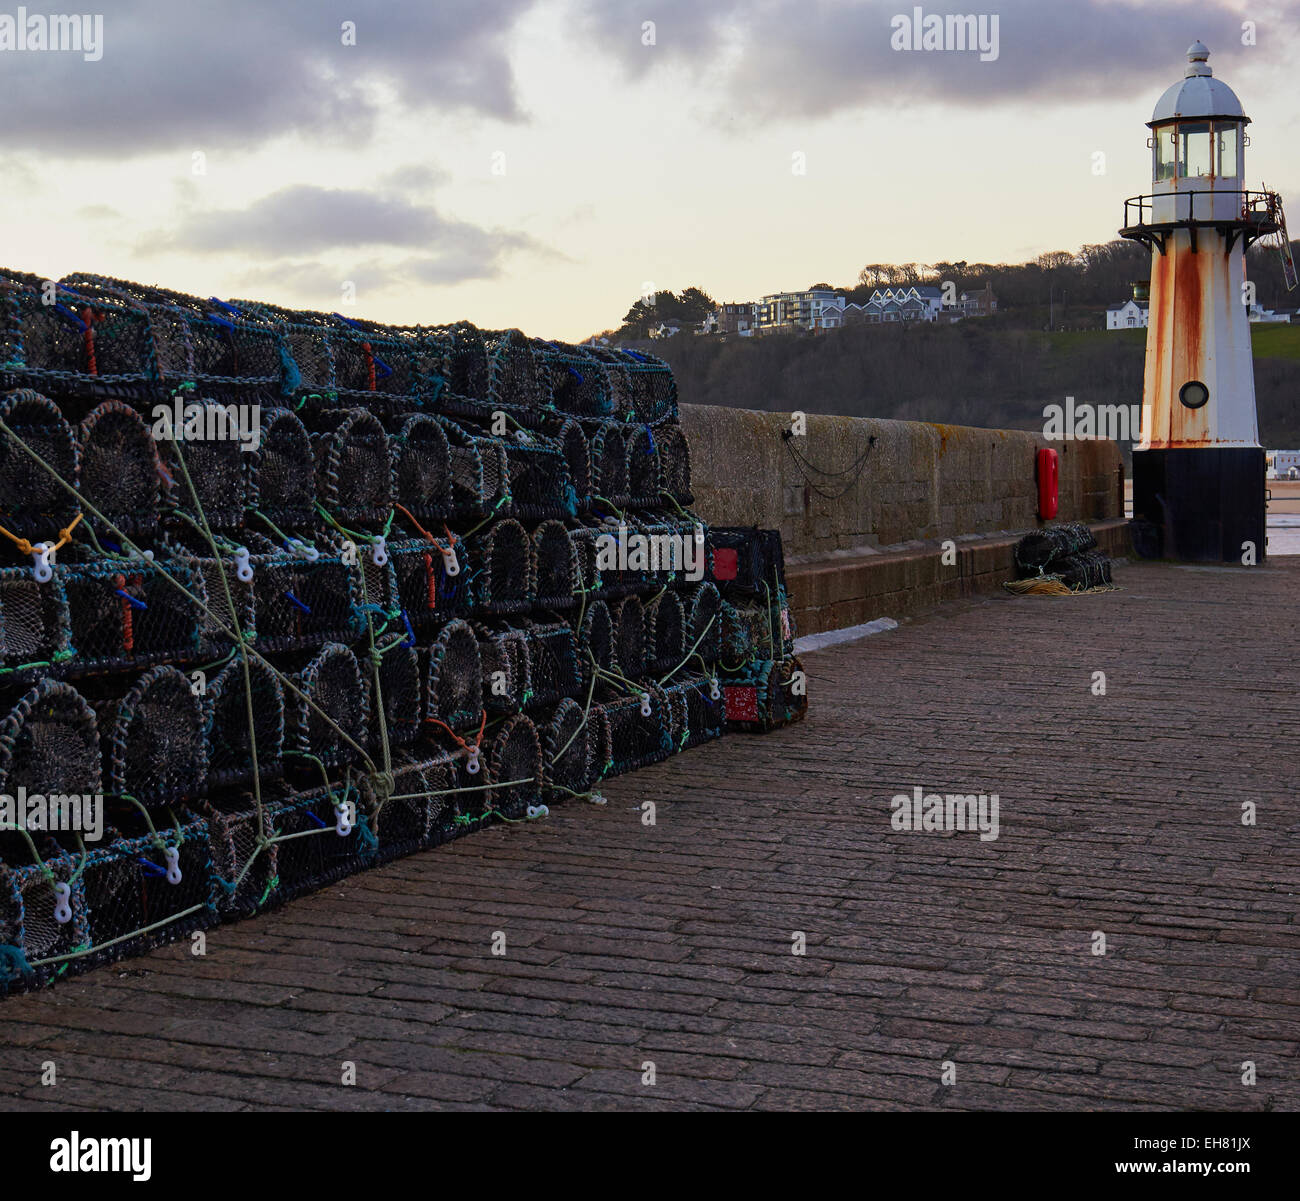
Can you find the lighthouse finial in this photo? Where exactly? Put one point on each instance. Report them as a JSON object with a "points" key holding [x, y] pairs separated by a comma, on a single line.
{"points": [[1197, 53]]}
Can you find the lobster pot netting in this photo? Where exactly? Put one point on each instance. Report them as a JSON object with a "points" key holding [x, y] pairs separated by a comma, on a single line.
{"points": [[643, 479], [312, 852], [569, 766], [628, 617], [455, 688], [552, 662], [306, 338], [747, 562], [244, 860], [507, 677], [425, 592], [539, 483], [610, 475], [35, 627], [577, 455], [766, 695], [654, 391], [49, 743], [585, 552], [129, 614], [33, 503], [353, 468], [704, 622], [665, 633], [480, 475], [1037, 551], [514, 756], [382, 366], [466, 362], [1083, 570], [639, 729], [121, 473], [571, 380], [512, 371], [505, 568], [226, 718], [698, 709], [27, 907], [284, 471], [406, 819], [400, 691], [747, 633], [128, 890], [327, 717], [674, 462], [422, 480], [154, 742], [75, 339], [557, 566], [208, 449], [596, 641]]}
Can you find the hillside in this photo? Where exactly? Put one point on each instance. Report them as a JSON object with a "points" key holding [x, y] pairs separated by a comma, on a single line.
{"points": [[976, 372]]}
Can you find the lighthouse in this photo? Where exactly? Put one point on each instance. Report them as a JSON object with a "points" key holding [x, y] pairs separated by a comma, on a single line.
{"points": [[1198, 468]]}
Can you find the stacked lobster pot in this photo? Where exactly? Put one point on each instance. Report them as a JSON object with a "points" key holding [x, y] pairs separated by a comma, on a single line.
{"points": [[286, 594]]}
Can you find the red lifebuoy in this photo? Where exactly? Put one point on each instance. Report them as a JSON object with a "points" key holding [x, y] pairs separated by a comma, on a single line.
{"points": [[1047, 483]]}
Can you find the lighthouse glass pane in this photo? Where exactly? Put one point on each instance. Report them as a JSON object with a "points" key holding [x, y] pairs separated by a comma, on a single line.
{"points": [[1164, 155], [1226, 135], [1195, 159]]}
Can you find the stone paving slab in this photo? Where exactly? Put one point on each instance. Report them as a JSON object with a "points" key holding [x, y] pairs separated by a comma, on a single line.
{"points": [[628, 944]]}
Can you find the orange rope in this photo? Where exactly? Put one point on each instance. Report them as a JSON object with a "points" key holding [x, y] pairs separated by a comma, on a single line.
{"points": [[370, 365], [88, 337], [451, 538], [456, 737], [26, 548]]}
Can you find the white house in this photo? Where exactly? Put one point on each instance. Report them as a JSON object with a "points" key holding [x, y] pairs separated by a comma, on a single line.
{"points": [[1132, 314], [906, 302]]}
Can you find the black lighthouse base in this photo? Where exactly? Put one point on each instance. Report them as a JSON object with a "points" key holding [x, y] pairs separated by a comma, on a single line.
{"points": [[1205, 504]]}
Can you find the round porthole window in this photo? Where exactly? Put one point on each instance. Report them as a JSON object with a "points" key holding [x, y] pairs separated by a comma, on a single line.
{"points": [[1193, 394]]}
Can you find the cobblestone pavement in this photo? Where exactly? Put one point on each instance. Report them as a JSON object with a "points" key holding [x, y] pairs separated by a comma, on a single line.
{"points": [[628, 944]]}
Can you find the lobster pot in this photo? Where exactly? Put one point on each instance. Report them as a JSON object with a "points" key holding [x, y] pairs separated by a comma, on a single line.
{"points": [[49, 743], [505, 569], [312, 853], [698, 714], [455, 688], [628, 617], [638, 739], [121, 474], [208, 449], [747, 561], [406, 820], [353, 470], [226, 723], [421, 466], [480, 475], [577, 454], [27, 921], [154, 744], [306, 340], [127, 889], [610, 477], [33, 503], [1036, 552], [244, 867], [585, 552], [1083, 570], [572, 380], [35, 627], [653, 391], [567, 746], [643, 478], [557, 566], [284, 471], [507, 677], [129, 614], [674, 462], [595, 641], [552, 661], [766, 695], [385, 367], [466, 364], [74, 342], [539, 482], [512, 371], [329, 712], [399, 699], [665, 633], [747, 632], [703, 621], [425, 593], [514, 764]]}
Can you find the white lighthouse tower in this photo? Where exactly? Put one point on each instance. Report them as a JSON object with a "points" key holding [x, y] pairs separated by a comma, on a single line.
{"points": [[1198, 468]]}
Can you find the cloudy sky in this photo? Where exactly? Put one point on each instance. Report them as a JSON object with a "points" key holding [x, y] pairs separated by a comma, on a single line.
{"points": [[537, 163]]}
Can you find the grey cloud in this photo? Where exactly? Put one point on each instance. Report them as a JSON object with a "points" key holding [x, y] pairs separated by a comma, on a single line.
{"points": [[205, 75]]}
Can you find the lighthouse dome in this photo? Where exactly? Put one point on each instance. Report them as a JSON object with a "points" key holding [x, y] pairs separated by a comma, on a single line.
{"points": [[1198, 94]]}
